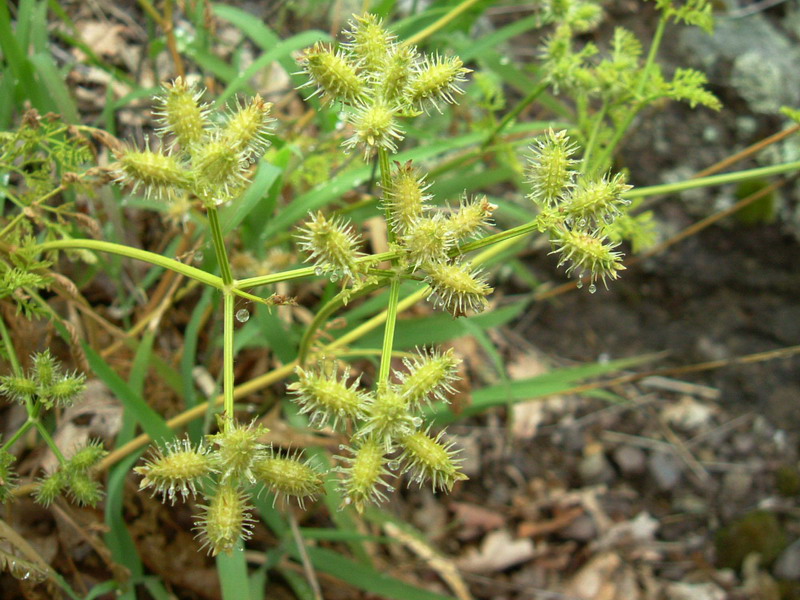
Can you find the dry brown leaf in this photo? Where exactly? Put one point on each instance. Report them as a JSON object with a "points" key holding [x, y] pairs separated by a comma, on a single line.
{"points": [[498, 552], [604, 577]]}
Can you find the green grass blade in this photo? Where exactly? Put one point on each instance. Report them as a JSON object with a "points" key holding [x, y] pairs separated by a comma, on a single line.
{"points": [[232, 570], [533, 388], [152, 423]]}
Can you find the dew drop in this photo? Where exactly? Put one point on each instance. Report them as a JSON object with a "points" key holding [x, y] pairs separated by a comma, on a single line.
{"points": [[26, 575], [198, 256], [390, 489], [242, 315], [394, 465], [334, 277], [342, 447], [348, 500], [579, 283], [417, 421], [592, 288], [318, 271]]}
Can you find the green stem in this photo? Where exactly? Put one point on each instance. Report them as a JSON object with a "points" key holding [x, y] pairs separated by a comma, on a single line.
{"points": [[670, 188], [10, 350], [219, 246], [590, 145], [49, 440], [514, 113], [622, 129], [227, 358], [388, 332], [17, 434], [386, 184], [135, 253]]}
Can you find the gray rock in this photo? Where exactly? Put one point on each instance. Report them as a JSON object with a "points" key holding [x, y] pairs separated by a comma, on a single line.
{"points": [[736, 484], [595, 469], [631, 460], [788, 564], [581, 529], [665, 468]]}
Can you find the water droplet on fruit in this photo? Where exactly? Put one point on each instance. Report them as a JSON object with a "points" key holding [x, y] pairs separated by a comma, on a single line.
{"points": [[579, 283], [394, 465], [198, 256], [242, 315], [592, 288]]}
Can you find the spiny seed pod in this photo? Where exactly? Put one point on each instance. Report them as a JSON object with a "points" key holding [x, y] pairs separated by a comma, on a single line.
{"points": [[375, 128], [388, 417], [369, 41], [330, 243], [218, 170], [471, 217], [428, 240], [8, 478], [364, 473], [224, 520], [83, 490], [65, 390], [588, 253], [288, 476], [45, 369], [247, 128], [406, 197], [333, 74], [159, 174], [19, 389], [237, 449], [326, 397], [456, 288], [594, 203], [50, 487], [178, 469], [437, 79], [86, 458], [551, 173], [394, 77], [429, 375], [181, 114], [430, 459]]}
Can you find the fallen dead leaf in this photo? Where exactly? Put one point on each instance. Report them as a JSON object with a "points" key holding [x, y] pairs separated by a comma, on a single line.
{"points": [[498, 552], [604, 577]]}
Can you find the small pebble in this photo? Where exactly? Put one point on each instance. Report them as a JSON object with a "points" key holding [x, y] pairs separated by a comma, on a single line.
{"points": [[594, 468], [665, 469], [630, 460], [736, 484], [788, 564], [582, 529]]}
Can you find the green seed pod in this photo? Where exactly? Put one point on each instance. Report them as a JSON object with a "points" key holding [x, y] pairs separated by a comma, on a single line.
{"points": [[8, 478], [388, 417], [430, 459], [428, 240], [86, 458], [396, 74], [594, 203], [224, 520], [437, 79], [177, 469], [405, 199], [429, 376], [181, 114], [50, 487], [247, 128], [375, 128], [471, 217], [364, 473], [331, 244], [44, 368], [551, 169], [159, 174], [83, 490], [237, 449], [19, 389], [456, 288], [369, 42], [332, 73], [587, 253], [218, 170], [288, 476], [66, 389], [327, 397]]}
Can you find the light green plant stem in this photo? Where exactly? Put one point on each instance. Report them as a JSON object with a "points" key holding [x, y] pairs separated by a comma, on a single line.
{"points": [[135, 253], [590, 145], [713, 180], [622, 128], [227, 358], [514, 113], [394, 285], [10, 350], [219, 246], [17, 434], [440, 23], [49, 440]]}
